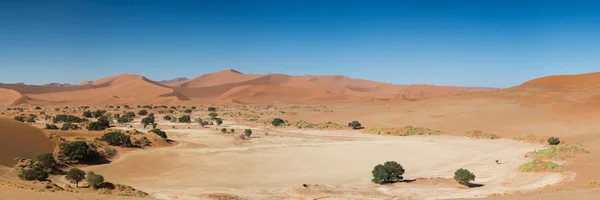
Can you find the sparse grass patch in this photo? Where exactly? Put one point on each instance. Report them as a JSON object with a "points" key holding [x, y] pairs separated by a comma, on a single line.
{"points": [[480, 134], [538, 165], [558, 152], [530, 138], [406, 131]]}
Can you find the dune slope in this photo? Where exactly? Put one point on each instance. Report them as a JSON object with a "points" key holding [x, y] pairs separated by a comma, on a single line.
{"points": [[21, 140]]}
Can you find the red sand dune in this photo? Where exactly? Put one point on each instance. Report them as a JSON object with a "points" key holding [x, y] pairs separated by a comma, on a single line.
{"points": [[10, 97], [121, 88], [229, 86], [560, 81], [21, 140]]}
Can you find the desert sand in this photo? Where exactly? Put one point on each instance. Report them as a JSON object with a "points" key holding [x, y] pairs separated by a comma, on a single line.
{"points": [[334, 164]]}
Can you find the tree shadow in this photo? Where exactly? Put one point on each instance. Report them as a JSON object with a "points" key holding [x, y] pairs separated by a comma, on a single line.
{"points": [[100, 160], [474, 185]]}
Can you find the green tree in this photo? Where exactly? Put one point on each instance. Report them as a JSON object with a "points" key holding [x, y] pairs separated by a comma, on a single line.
{"points": [[553, 141], [232, 131], [94, 180], [187, 111], [355, 125], [213, 115], [131, 115], [36, 172], [75, 175], [248, 132], [143, 112], [219, 121], [69, 126], [51, 127], [463, 176], [159, 132], [277, 121], [154, 125], [224, 130], [47, 161], [87, 114], [212, 109], [20, 118], [167, 117], [77, 151], [389, 172], [124, 119], [117, 138], [185, 119]]}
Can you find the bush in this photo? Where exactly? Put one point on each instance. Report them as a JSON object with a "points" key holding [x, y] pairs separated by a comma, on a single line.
{"points": [[124, 119], [232, 131], [69, 126], [187, 111], [87, 114], [66, 118], [37, 108], [224, 130], [77, 151], [20, 118], [51, 127], [185, 119], [143, 112], [213, 115], [248, 132], [464, 176], [75, 175], [130, 115], [36, 172], [148, 120], [553, 141], [167, 117], [47, 161], [117, 138], [355, 125], [94, 180], [219, 121], [277, 121], [159, 132], [212, 109], [558, 152], [389, 172], [101, 124]]}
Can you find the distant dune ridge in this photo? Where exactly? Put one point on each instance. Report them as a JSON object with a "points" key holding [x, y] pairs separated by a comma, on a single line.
{"points": [[227, 86]]}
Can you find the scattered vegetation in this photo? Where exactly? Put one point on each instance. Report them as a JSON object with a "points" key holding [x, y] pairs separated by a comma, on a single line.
{"points": [[538, 165], [143, 112], [34, 172], [69, 126], [481, 134], [530, 138], [464, 176], [224, 130], [47, 161], [219, 121], [66, 118], [405, 131], [558, 152], [389, 172]]}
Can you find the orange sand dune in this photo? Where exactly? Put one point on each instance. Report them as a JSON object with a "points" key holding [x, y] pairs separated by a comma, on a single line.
{"points": [[121, 88], [10, 97], [215, 88], [21, 140], [558, 81], [217, 78], [280, 94]]}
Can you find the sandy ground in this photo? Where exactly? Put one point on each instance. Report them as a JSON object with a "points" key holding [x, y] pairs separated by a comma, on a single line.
{"points": [[270, 166]]}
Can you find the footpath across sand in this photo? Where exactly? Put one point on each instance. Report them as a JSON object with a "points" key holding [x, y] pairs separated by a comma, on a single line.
{"points": [[269, 166]]}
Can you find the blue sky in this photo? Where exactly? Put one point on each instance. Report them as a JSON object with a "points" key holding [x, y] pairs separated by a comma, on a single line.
{"points": [[468, 43]]}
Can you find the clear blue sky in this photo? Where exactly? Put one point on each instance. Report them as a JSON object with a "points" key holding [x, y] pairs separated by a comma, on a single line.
{"points": [[469, 43]]}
